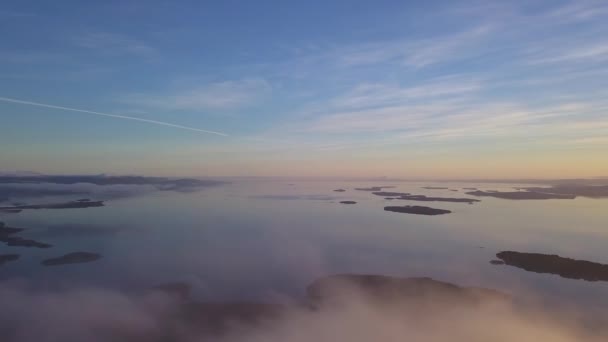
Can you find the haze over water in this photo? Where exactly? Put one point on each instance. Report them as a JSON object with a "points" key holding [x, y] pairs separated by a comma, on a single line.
{"points": [[266, 239], [304, 171]]}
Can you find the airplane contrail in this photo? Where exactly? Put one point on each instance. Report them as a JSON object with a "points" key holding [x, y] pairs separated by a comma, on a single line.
{"points": [[162, 123]]}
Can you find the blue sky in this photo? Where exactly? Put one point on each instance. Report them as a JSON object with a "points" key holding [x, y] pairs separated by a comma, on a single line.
{"points": [[317, 88]]}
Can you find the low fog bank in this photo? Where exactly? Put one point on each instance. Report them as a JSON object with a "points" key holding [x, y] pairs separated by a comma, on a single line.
{"points": [[417, 309]]}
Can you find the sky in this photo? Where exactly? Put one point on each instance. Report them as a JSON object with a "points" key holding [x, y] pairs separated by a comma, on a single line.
{"points": [[400, 89]]}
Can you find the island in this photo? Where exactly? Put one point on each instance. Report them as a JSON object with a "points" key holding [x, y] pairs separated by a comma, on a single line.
{"points": [[72, 258], [415, 209], [394, 290], [435, 187], [520, 195], [62, 205], [81, 186], [592, 191], [164, 182], [339, 190], [423, 198], [4, 258], [11, 211], [21, 242], [7, 235], [323, 296], [348, 202], [4, 230], [375, 188], [390, 193], [555, 264], [497, 262]]}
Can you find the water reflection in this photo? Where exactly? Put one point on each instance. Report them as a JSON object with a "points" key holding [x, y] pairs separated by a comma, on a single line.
{"points": [[233, 241]]}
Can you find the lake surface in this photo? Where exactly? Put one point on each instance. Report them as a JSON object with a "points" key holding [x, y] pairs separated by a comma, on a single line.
{"points": [[269, 239]]}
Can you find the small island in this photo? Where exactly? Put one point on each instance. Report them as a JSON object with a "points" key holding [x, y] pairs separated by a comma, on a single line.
{"points": [[390, 193], [72, 258], [435, 187], [592, 191], [348, 202], [11, 211], [21, 242], [375, 188], [520, 195], [396, 290], [555, 264], [339, 190], [423, 198], [415, 209], [7, 235], [62, 205], [4, 258]]}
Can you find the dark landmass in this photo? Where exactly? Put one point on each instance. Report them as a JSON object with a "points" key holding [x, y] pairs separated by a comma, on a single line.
{"points": [[554, 264], [348, 202], [4, 258], [4, 230], [390, 193], [389, 198], [435, 187], [9, 191], [423, 198], [101, 186], [63, 205], [375, 188], [419, 210], [296, 197], [339, 190], [469, 188], [497, 262], [16, 241], [10, 211], [83, 200], [393, 290], [72, 258], [165, 183], [328, 293], [593, 191], [7, 235], [520, 195]]}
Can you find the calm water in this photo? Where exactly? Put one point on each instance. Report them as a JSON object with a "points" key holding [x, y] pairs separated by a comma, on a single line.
{"points": [[269, 239]]}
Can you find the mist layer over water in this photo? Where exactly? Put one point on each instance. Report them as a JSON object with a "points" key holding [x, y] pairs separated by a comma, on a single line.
{"points": [[267, 240]]}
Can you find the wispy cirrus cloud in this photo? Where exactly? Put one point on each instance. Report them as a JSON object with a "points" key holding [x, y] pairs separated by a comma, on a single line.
{"points": [[587, 53], [381, 95], [413, 52], [213, 96], [114, 44]]}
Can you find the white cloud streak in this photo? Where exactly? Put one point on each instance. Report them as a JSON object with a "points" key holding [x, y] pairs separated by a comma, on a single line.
{"points": [[116, 116]]}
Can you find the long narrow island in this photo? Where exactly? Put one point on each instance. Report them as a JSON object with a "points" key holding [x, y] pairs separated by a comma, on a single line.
{"points": [[555, 264], [416, 209], [72, 258], [63, 205]]}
